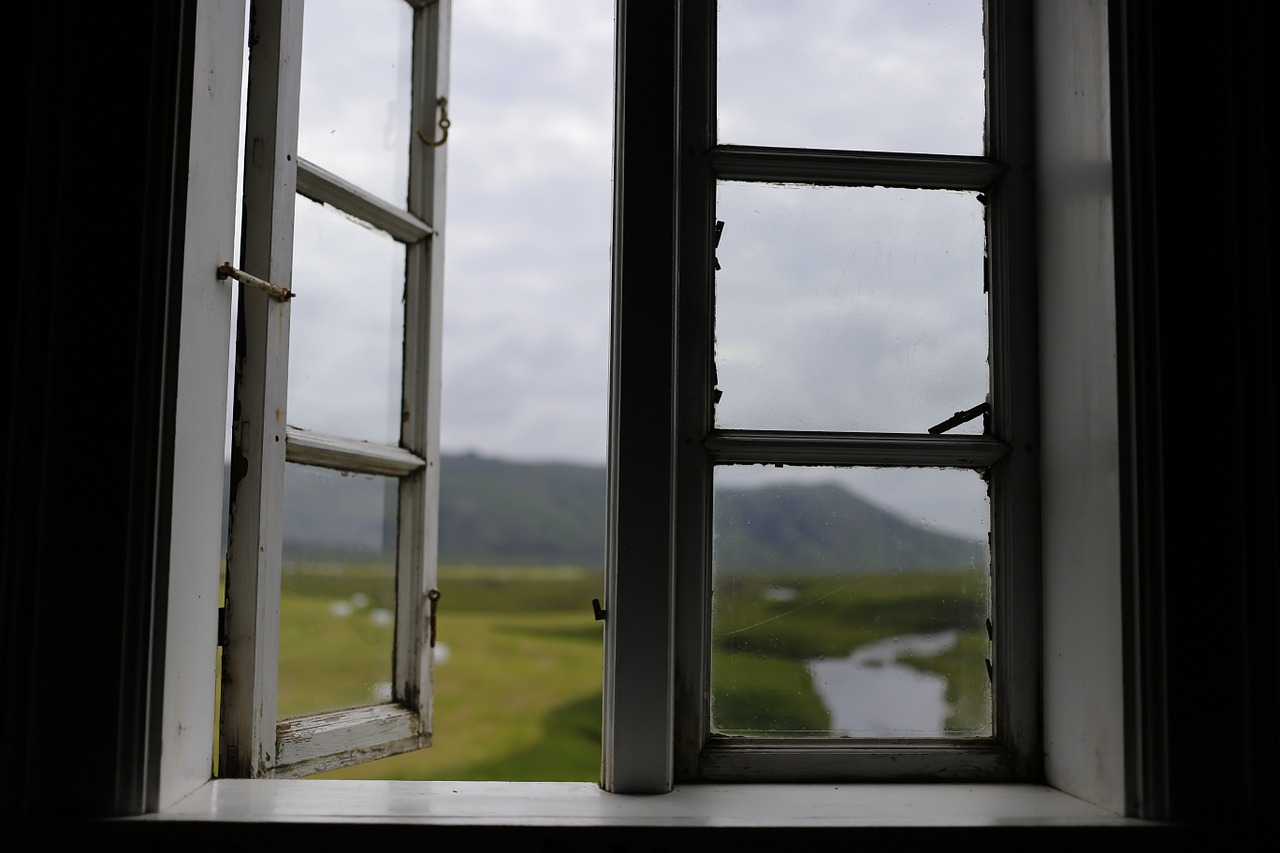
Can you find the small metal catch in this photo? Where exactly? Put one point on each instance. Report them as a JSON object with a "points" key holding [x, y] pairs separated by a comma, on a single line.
{"points": [[433, 596], [719, 231], [226, 271], [444, 124], [600, 612], [960, 418]]}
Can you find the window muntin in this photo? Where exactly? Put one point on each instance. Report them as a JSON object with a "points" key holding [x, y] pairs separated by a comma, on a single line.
{"points": [[394, 714]]}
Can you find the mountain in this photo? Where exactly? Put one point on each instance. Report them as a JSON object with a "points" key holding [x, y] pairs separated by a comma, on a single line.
{"points": [[823, 527], [495, 512], [513, 513]]}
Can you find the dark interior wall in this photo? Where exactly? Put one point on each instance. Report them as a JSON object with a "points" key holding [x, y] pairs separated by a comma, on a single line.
{"points": [[1211, 292], [86, 331], [92, 95]]}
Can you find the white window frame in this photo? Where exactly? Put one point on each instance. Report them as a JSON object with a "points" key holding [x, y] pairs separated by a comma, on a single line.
{"points": [[1083, 664], [667, 732], [253, 742]]}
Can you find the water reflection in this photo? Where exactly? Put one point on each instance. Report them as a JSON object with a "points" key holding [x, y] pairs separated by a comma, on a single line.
{"points": [[871, 694]]}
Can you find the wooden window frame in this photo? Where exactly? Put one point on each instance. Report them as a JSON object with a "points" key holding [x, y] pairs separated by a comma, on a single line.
{"points": [[1084, 669], [659, 583], [253, 741]]}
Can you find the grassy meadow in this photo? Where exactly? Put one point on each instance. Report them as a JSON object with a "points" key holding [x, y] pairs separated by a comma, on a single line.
{"points": [[519, 657], [517, 677]]}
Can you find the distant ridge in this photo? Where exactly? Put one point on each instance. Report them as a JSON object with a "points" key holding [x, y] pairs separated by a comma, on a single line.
{"points": [[823, 527], [496, 512], [520, 513]]}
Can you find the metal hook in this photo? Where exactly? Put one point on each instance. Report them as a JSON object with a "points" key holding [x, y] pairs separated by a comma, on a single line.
{"points": [[960, 418], [444, 123], [226, 270], [433, 599]]}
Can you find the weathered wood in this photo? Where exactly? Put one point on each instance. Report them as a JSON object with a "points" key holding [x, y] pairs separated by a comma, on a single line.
{"points": [[320, 742], [200, 411], [417, 540], [325, 187], [833, 448], [853, 168], [247, 742], [348, 454]]}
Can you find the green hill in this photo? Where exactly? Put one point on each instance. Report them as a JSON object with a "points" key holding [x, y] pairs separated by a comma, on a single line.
{"points": [[821, 528], [509, 513]]}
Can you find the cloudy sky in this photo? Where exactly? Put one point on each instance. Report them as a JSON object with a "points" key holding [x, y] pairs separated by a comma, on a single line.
{"points": [[838, 308]]}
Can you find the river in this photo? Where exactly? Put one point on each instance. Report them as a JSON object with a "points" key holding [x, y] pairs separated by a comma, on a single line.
{"points": [[871, 694]]}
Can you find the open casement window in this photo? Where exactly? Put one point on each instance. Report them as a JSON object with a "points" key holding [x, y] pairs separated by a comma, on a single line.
{"points": [[804, 235], [387, 201]]}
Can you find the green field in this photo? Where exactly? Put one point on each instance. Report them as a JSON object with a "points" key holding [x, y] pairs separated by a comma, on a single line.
{"points": [[518, 694], [518, 691]]}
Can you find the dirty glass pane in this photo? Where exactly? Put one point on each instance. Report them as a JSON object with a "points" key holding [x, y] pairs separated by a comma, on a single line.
{"points": [[849, 308], [850, 603], [337, 593], [353, 117], [346, 329], [870, 75]]}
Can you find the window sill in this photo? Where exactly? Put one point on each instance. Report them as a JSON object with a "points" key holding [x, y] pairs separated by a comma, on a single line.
{"points": [[583, 804]]}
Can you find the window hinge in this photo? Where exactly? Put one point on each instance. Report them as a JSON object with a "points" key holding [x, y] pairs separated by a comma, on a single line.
{"points": [[228, 271]]}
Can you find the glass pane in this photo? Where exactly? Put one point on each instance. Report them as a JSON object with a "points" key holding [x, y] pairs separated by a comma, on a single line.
{"points": [[849, 308], [353, 116], [337, 595], [870, 75], [346, 327], [850, 603]]}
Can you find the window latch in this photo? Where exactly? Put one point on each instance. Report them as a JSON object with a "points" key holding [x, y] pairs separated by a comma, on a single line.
{"points": [[960, 418], [719, 231], [443, 124], [433, 599], [226, 271], [601, 613]]}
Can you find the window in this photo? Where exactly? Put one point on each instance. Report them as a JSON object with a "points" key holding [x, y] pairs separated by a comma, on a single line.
{"points": [[721, 421], [1083, 591], [288, 357], [970, 207]]}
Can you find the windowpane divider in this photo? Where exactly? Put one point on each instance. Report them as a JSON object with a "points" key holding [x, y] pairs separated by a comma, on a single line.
{"points": [[767, 447], [853, 168], [325, 187], [349, 454]]}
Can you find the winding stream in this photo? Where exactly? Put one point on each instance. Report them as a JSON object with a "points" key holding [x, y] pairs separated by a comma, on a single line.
{"points": [[871, 694]]}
